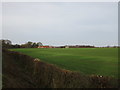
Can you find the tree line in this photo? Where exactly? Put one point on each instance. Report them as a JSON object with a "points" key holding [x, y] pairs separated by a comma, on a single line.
{"points": [[29, 44]]}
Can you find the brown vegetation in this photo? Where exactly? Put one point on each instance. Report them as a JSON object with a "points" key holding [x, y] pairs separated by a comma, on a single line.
{"points": [[22, 71]]}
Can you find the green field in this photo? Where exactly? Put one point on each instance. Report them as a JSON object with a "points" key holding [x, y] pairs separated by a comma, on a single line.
{"points": [[100, 61]]}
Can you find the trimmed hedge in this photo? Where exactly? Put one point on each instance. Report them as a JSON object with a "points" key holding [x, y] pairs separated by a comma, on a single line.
{"points": [[27, 72]]}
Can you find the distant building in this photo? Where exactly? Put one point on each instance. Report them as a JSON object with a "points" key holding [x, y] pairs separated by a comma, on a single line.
{"points": [[45, 47], [66, 46]]}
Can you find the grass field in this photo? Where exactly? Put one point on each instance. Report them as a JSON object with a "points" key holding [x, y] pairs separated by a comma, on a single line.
{"points": [[100, 61]]}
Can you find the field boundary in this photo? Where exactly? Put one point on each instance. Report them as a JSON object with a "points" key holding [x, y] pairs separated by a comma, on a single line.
{"points": [[38, 74]]}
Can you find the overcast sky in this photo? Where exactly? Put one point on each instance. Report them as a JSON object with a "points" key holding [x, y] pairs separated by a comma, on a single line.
{"points": [[61, 23]]}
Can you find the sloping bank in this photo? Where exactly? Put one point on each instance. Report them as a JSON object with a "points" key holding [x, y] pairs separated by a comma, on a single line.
{"points": [[22, 71]]}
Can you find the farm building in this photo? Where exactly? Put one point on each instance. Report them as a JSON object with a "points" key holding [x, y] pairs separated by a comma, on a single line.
{"points": [[45, 47]]}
